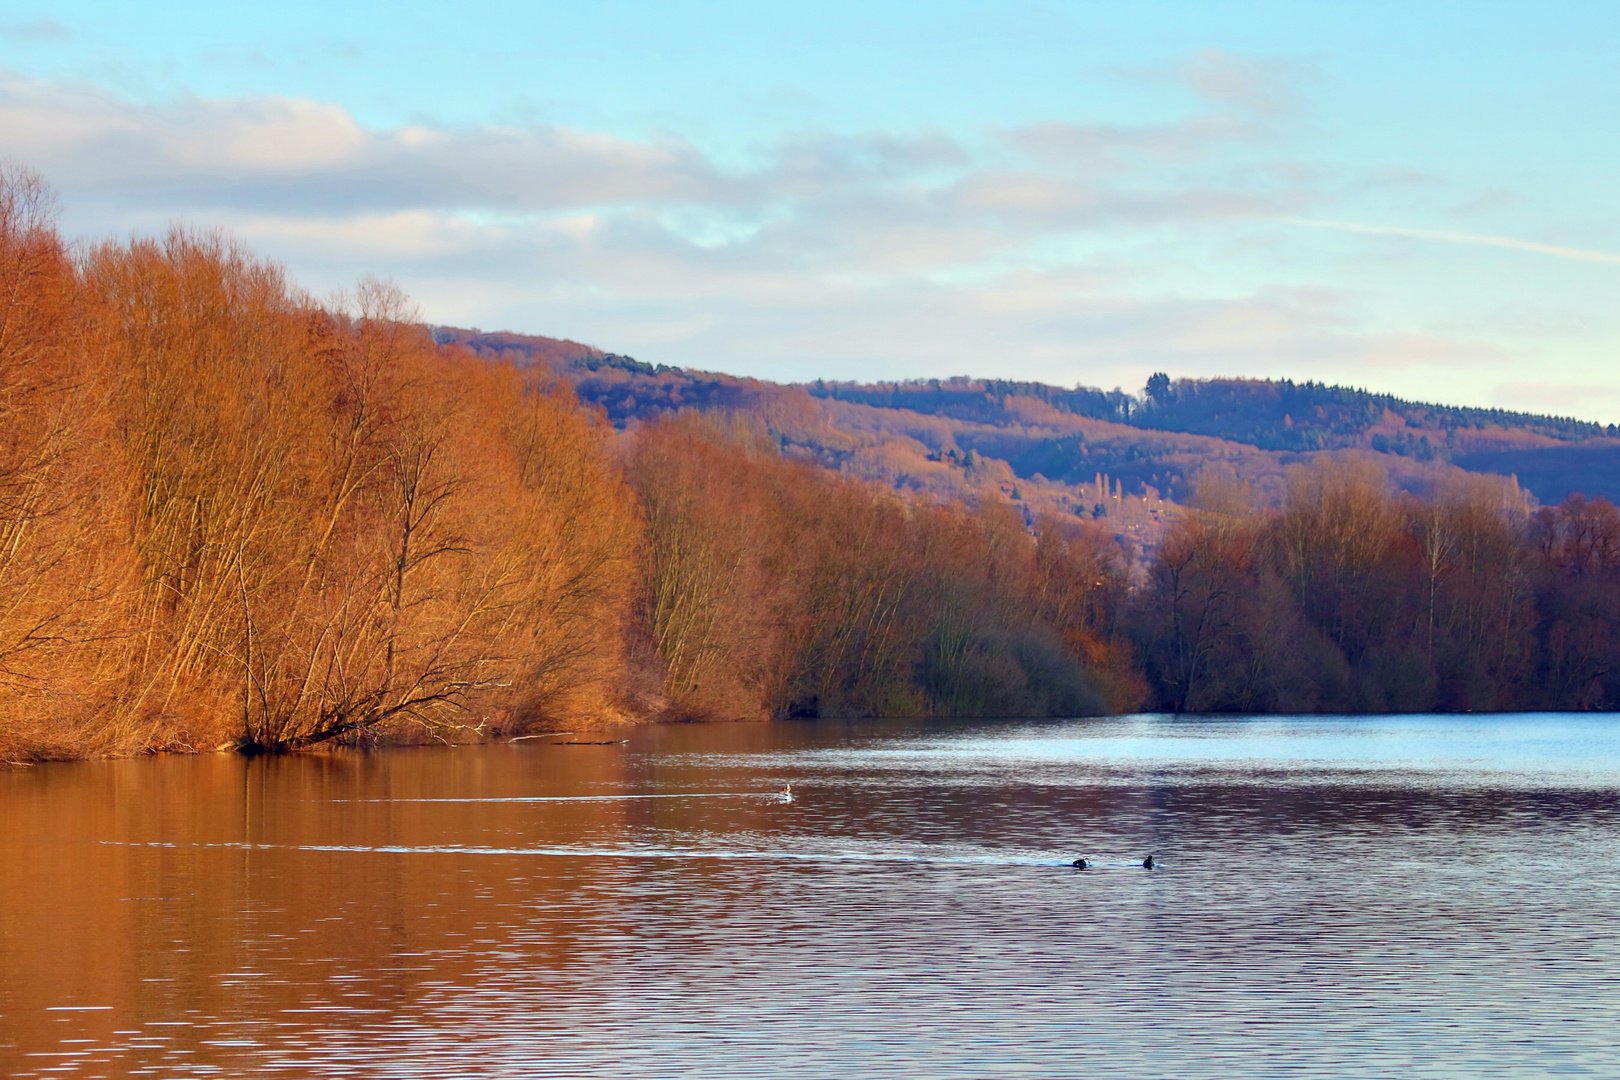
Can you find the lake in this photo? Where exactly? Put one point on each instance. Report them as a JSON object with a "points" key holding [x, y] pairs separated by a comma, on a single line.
{"points": [[1391, 896]]}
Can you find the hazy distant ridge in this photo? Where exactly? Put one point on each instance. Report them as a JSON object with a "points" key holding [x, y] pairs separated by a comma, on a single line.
{"points": [[1552, 455]]}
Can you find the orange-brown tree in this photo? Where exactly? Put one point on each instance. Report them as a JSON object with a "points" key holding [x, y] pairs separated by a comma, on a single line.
{"points": [[62, 574], [778, 588], [229, 515]]}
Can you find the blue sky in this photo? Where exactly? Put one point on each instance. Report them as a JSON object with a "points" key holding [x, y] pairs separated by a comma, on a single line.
{"points": [[1417, 198]]}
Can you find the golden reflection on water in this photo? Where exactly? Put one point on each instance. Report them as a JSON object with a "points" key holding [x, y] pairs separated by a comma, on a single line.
{"points": [[512, 911], [170, 897]]}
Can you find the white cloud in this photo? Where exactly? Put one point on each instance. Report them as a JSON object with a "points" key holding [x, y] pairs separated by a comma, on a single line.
{"points": [[295, 157], [1020, 252], [84, 137], [298, 156]]}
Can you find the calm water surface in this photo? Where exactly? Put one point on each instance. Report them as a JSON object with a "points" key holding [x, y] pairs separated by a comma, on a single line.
{"points": [[1388, 896]]}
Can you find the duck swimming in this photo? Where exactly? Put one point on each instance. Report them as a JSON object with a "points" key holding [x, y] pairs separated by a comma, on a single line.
{"points": [[1079, 864]]}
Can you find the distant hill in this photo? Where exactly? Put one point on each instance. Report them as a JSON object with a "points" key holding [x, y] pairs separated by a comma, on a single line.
{"points": [[982, 400], [1284, 415], [1552, 473], [1064, 448], [524, 348], [1551, 455]]}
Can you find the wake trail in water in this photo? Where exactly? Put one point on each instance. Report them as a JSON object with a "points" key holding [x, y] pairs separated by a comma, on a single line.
{"points": [[673, 854], [776, 796]]}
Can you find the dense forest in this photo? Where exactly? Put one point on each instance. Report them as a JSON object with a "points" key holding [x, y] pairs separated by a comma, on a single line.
{"points": [[231, 517], [1351, 599], [1285, 415], [1270, 414]]}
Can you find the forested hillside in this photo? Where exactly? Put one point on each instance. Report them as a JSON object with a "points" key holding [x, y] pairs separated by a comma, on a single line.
{"points": [[1553, 456], [1283, 415], [1150, 445]]}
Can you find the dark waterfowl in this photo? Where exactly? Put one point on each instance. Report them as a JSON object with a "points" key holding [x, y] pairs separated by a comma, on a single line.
{"points": [[1079, 864], [1147, 863]]}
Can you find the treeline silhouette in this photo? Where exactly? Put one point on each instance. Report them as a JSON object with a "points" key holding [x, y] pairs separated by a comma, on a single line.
{"points": [[1285, 415], [1271, 414], [231, 516], [983, 400]]}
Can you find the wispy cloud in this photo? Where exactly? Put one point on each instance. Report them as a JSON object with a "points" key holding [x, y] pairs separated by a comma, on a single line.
{"points": [[36, 30], [1048, 250], [296, 157], [1477, 239], [880, 202], [1259, 88]]}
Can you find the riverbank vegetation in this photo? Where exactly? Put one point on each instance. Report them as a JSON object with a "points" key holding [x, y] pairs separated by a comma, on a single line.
{"points": [[231, 516], [1349, 598]]}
